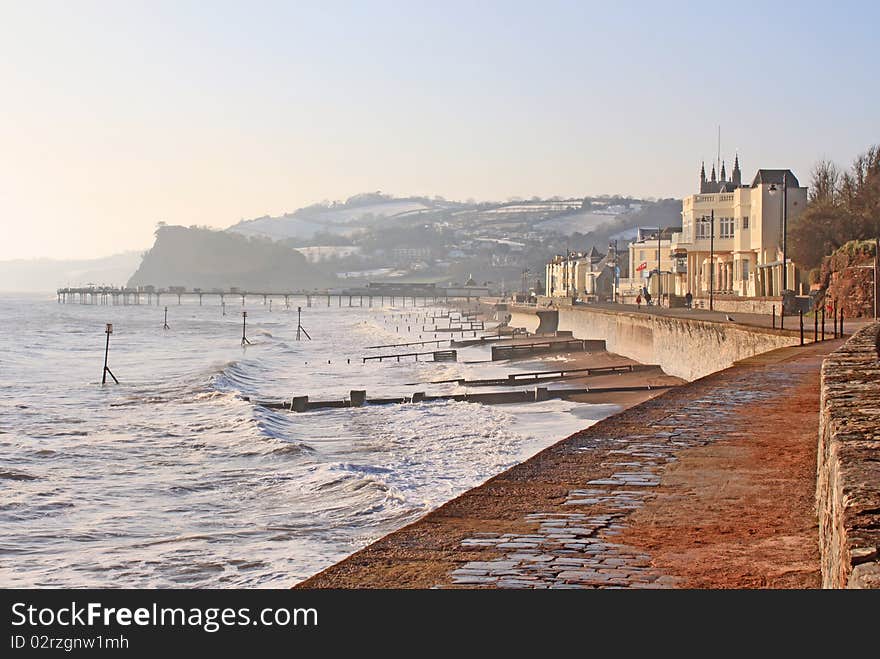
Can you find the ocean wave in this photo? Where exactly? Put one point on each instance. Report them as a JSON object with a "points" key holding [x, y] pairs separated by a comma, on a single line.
{"points": [[7, 474]]}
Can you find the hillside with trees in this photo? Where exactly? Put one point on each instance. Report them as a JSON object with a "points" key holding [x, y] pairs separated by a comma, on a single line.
{"points": [[843, 206], [196, 257], [835, 235]]}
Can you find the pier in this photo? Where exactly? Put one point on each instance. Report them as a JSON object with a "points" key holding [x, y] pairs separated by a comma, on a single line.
{"points": [[111, 295]]}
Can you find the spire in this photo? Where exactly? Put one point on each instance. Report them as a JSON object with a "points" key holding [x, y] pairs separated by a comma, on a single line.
{"points": [[736, 178], [723, 172], [703, 178], [714, 178]]}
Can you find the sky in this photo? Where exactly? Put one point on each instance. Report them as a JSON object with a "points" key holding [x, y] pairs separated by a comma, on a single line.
{"points": [[117, 115]]}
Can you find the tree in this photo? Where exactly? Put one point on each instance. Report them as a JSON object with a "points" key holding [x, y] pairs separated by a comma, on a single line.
{"points": [[841, 207]]}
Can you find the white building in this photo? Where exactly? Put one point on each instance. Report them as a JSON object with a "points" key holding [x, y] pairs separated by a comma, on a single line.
{"points": [[732, 234], [575, 276], [649, 254]]}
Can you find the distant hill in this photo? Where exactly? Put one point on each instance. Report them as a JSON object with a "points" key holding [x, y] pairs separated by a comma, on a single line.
{"points": [[197, 257], [340, 218], [43, 275]]}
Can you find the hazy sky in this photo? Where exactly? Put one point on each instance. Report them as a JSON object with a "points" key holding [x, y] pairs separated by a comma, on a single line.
{"points": [[116, 115]]}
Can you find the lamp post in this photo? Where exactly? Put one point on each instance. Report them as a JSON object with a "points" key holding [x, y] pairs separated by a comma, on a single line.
{"points": [[659, 276], [612, 250], [711, 257], [772, 191]]}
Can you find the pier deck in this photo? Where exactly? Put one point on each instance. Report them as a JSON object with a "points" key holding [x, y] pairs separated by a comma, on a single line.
{"points": [[709, 485]]}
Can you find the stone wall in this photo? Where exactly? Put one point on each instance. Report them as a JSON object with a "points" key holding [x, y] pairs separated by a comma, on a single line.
{"points": [[733, 304], [684, 347], [534, 319], [848, 485]]}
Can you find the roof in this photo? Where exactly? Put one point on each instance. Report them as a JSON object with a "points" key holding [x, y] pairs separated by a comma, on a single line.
{"points": [[775, 176]]}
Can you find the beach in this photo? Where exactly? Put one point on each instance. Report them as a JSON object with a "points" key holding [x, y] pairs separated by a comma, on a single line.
{"points": [[177, 478]]}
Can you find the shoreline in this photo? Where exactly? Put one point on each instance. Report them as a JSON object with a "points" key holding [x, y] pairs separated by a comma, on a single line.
{"points": [[573, 514], [623, 400]]}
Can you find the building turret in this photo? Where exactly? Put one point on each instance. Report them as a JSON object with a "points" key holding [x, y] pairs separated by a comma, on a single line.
{"points": [[703, 178], [723, 172], [736, 177], [714, 178]]}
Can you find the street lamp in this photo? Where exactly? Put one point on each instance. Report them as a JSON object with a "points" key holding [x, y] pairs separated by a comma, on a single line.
{"points": [[772, 192], [659, 273], [615, 269], [711, 220]]}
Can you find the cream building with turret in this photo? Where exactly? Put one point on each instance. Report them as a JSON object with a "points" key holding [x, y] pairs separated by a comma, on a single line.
{"points": [[740, 250]]}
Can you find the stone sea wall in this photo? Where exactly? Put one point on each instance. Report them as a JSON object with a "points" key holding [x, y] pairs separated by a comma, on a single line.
{"points": [[848, 485], [731, 304], [684, 347]]}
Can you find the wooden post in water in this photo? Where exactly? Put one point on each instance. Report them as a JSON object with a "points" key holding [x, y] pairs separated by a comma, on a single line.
{"points": [[244, 339], [109, 330], [299, 327]]}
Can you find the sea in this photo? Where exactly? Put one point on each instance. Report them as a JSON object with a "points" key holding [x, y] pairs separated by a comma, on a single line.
{"points": [[176, 477]]}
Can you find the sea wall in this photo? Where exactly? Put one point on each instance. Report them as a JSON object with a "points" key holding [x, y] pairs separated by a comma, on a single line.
{"points": [[733, 304], [848, 485], [683, 347], [535, 320]]}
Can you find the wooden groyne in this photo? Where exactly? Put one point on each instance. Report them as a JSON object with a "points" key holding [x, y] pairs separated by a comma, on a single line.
{"points": [[411, 343], [358, 398], [543, 347], [437, 356], [519, 379]]}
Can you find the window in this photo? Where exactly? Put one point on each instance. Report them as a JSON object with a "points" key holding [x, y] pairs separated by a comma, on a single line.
{"points": [[703, 227], [726, 227], [745, 269], [745, 221], [641, 255]]}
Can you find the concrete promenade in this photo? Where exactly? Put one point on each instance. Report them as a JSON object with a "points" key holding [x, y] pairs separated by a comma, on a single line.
{"points": [[709, 485], [791, 323]]}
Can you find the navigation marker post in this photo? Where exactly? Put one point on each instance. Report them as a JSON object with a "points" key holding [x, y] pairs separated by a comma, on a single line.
{"points": [[109, 331], [244, 339], [299, 327], [165, 327]]}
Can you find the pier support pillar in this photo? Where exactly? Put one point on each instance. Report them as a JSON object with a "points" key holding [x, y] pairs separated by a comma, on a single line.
{"points": [[541, 394]]}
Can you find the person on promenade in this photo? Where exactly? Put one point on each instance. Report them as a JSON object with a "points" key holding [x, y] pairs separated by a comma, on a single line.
{"points": [[639, 301], [688, 300]]}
